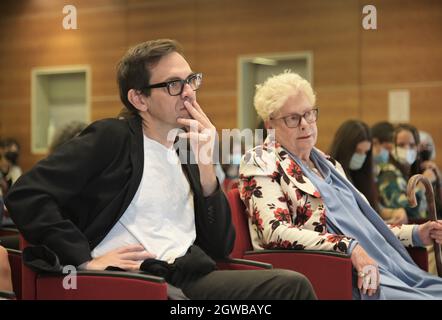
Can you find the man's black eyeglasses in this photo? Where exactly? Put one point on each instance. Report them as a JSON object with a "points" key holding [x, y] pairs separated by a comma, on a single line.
{"points": [[175, 87]]}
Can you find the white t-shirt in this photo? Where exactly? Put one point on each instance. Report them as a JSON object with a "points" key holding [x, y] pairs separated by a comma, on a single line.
{"points": [[161, 216]]}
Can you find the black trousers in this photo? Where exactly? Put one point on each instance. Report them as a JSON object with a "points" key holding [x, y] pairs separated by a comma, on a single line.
{"points": [[271, 284]]}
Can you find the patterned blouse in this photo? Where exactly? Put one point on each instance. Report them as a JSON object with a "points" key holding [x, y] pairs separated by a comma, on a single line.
{"points": [[285, 209]]}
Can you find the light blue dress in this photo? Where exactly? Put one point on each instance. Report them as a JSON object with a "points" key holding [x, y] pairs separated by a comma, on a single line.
{"points": [[349, 214]]}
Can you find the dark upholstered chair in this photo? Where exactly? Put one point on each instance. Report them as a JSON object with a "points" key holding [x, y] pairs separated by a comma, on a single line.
{"points": [[330, 273]]}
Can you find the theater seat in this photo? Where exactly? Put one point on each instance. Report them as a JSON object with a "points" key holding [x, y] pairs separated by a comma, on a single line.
{"points": [[15, 263], [107, 285], [330, 273]]}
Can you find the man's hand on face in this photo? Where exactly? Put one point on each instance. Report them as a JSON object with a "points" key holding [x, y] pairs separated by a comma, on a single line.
{"points": [[201, 133], [128, 258]]}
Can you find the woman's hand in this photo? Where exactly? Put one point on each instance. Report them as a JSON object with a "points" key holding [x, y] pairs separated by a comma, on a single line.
{"points": [[368, 271], [128, 258], [429, 231]]}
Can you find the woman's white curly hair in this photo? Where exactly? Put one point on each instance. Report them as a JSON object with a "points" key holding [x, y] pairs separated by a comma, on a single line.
{"points": [[273, 93]]}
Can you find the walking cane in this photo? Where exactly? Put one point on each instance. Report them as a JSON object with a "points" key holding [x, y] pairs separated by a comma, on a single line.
{"points": [[429, 194]]}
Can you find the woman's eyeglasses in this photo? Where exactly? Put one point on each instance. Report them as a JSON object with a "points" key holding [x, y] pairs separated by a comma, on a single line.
{"points": [[294, 120]]}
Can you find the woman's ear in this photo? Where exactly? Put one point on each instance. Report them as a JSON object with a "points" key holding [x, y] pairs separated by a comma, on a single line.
{"points": [[267, 125], [138, 99]]}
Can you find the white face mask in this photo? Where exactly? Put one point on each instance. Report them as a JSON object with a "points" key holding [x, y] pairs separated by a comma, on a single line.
{"points": [[405, 156], [357, 161]]}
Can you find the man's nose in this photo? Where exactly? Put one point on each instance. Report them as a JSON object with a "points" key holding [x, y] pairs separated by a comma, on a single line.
{"points": [[187, 91]]}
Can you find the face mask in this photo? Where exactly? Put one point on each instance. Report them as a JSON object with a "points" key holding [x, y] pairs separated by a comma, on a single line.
{"points": [[357, 161], [11, 157], [405, 156], [235, 158], [382, 157], [426, 155]]}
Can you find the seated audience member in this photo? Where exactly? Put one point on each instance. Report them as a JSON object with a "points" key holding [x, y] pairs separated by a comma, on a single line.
{"points": [[427, 148], [5, 271], [382, 143], [352, 148], [66, 133], [9, 173], [427, 152], [119, 195], [299, 198], [393, 176], [10, 152]]}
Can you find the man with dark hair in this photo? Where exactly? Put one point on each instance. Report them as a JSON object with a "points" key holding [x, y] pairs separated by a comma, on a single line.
{"points": [[382, 138], [118, 196]]}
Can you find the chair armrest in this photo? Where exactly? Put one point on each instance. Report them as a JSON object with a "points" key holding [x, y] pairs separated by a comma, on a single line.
{"points": [[4, 231], [102, 285], [7, 295], [419, 256], [329, 272], [15, 262], [301, 252], [241, 264]]}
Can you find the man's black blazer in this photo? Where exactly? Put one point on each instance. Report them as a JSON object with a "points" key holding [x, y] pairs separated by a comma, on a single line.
{"points": [[69, 201]]}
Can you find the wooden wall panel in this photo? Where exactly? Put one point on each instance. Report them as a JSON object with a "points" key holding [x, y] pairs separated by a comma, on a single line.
{"points": [[405, 52], [335, 107], [35, 38], [353, 68], [407, 46]]}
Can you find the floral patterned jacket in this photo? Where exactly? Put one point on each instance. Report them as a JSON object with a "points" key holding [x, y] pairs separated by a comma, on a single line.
{"points": [[285, 209]]}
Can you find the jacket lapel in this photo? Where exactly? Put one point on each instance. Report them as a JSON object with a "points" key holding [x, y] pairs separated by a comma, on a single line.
{"points": [[291, 172], [136, 159]]}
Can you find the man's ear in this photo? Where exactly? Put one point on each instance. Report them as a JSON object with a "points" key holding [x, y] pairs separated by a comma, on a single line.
{"points": [[138, 99]]}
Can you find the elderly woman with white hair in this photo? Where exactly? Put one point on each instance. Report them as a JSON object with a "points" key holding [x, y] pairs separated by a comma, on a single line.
{"points": [[299, 198]]}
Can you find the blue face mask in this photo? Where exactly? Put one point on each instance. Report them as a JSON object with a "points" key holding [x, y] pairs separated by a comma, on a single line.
{"points": [[357, 161], [236, 158], [382, 157]]}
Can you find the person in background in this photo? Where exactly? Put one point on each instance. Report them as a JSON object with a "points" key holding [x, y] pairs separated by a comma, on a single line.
{"points": [[382, 143], [427, 152], [404, 162], [10, 149], [9, 168], [10, 171], [352, 148], [66, 133]]}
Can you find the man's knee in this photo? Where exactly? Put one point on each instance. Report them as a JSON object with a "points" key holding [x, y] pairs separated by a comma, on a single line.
{"points": [[296, 284]]}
